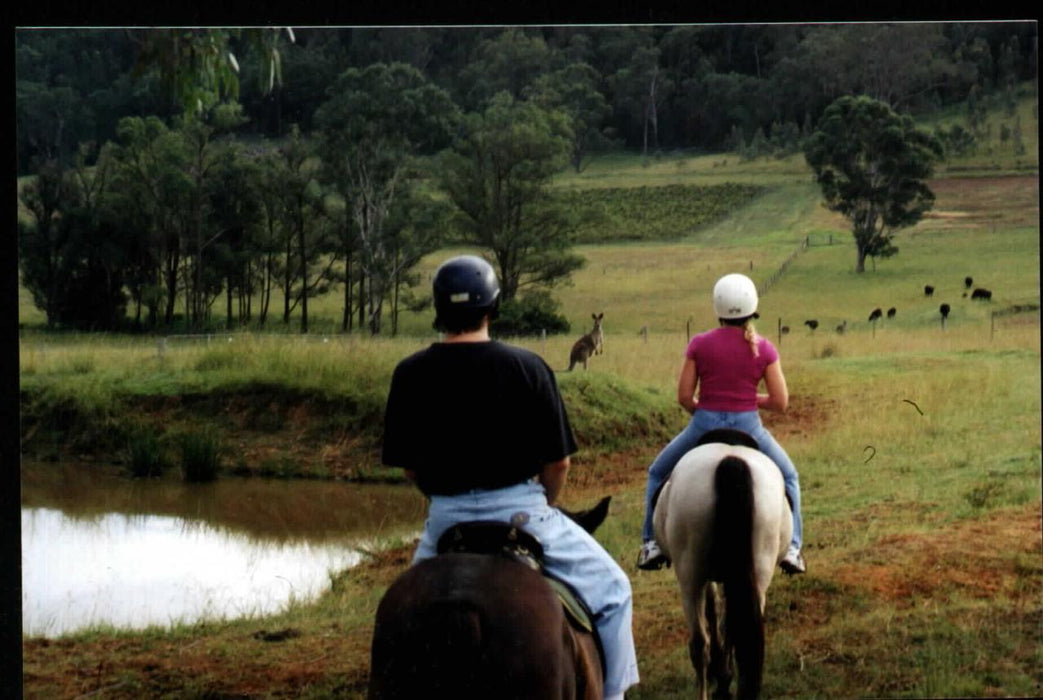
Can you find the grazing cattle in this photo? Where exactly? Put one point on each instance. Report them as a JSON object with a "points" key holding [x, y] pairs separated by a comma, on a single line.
{"points": [[811, 323], [784, 330], [891, 312], [983, 294], [589, 344], [928, 290], [944, 309], [967, 282], [876, 313]]}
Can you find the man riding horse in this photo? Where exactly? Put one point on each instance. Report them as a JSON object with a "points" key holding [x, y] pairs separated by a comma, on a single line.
{"points": [[479, 426]]}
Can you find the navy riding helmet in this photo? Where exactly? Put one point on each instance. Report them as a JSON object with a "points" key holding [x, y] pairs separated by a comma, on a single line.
{"points": [[465, 287]]}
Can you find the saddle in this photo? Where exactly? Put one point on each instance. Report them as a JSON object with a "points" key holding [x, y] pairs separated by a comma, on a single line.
{"points": [[512, 542], [728, 436]]}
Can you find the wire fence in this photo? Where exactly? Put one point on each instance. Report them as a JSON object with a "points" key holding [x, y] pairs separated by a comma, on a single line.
{"points": [[167, 343], [775, 276], [1010, 311]]}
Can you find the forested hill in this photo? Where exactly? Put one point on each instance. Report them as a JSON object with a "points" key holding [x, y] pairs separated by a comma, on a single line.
{"points": [[640, 87], [186, 179]]}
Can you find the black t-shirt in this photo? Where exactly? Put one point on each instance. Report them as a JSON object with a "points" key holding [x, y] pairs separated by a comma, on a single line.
{"points": [[474, 415]]}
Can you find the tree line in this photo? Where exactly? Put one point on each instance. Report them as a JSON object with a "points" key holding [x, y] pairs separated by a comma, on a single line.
{"points": [[151, 185], [643, 87], [392, 171]]}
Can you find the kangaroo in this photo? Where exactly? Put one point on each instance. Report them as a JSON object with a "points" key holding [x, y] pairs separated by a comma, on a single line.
{"points": [[589, 344]]}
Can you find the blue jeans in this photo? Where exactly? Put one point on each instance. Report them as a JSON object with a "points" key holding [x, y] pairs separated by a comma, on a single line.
{"points": [[570, 554], [702, 422]]}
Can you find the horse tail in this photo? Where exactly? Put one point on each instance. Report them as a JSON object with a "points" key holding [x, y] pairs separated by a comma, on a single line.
{"points": [[733, 560]]}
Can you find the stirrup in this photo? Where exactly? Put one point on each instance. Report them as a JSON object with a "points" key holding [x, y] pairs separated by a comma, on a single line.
{"points": [[649, 559]]}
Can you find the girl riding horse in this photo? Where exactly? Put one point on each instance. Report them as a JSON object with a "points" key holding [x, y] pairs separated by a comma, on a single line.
{"points": [[718, 386]]}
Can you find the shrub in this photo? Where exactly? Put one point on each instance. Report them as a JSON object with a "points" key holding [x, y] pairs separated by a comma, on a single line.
{"points": [[828, 350], [219, 359], [983, 493], [146, 456], [200, 455], [535, 312]]}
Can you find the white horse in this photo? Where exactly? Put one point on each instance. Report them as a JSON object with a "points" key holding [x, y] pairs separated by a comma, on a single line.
{"points": [[724, 521]]}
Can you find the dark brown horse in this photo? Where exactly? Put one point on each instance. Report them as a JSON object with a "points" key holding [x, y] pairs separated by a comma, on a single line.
{"points": [[466, 625]]}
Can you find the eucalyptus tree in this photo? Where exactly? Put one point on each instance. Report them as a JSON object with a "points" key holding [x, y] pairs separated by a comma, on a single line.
{"points": [[271, 239], [236, 219], [305, 233], [872, 165], [71, 87], [508, 62], [497, 175], [47, 120], [641, 87], [374, 125], [149, 175], [43, 239], [197, 67], [576, 90], [202, 155], [72, 251]]}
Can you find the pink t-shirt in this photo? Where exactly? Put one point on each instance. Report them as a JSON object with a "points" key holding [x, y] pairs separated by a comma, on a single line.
{"points": [[727, 370]]}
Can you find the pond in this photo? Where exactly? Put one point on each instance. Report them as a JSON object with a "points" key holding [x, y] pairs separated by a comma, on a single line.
{"points": [[100, 549]]}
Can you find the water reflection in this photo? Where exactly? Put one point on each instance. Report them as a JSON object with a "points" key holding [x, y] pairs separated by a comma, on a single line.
{"points": [[266, 508], [99, 549]]}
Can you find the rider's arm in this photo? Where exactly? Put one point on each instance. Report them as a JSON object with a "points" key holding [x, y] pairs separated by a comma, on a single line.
{"points": [[777, 398], [553, 478], [686, 384]]}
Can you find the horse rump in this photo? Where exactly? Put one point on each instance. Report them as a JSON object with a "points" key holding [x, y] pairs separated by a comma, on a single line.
{"points": [[732, 563], [469, 626]]}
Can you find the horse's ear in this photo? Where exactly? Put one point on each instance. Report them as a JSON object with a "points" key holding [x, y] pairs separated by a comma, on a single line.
{"points": [[591, 519]]}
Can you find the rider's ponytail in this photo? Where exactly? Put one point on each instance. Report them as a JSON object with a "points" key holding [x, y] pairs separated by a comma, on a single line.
{"points": [[750, 333]]}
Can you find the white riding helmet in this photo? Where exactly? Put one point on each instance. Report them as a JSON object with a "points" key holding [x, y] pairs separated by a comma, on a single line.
{"points": [[734, 296]]}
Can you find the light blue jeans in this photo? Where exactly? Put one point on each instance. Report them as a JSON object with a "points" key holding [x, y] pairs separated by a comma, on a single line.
{"points": [[570, 554], [702, 422]]}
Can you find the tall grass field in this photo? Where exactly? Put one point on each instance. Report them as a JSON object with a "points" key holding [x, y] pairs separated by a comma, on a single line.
{"points": [[917, 442]]}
